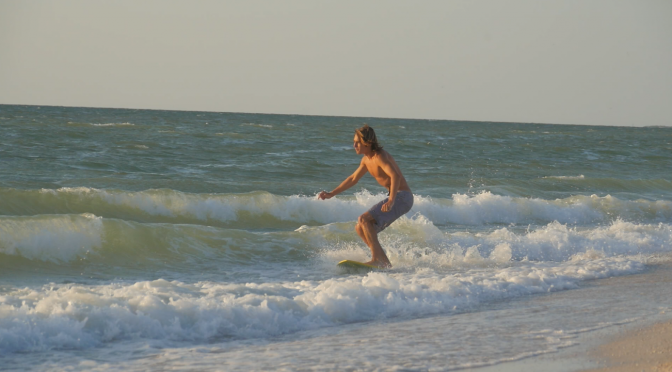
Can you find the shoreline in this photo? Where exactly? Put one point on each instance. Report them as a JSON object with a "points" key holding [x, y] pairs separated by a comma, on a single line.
{"points": [[643, 344], [631, 348], [641, 349]]}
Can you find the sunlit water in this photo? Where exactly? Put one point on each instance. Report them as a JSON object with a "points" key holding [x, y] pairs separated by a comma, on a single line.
{"points": [[137, 239]]}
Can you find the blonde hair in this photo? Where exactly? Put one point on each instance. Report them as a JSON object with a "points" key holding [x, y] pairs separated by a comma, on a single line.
{"points": [[368, 137]]}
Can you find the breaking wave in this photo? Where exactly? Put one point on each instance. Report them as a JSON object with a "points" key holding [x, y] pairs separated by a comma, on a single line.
{"points": [[79, 316], [411, 243], [263, 210]]}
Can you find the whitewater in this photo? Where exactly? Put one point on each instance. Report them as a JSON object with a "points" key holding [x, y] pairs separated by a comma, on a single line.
{"points": [[151, 240]]}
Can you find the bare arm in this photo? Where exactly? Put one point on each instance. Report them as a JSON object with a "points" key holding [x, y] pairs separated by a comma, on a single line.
{"points": [[346, 184]]}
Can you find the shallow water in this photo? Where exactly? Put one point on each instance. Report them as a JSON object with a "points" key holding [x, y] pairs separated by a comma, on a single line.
{"points": [[195, 240]]}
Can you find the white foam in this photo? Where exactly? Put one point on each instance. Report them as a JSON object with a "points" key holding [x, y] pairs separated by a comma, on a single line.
{"points": [[579, 177], [227, 207], [78, 316], [481, 209], [257, 125], [50, 238], [114, 125], [341, 148], [487, 208], [416, 243]]}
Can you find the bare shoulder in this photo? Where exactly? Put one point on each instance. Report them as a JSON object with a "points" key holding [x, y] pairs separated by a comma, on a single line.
{"points": [[383, 157]]}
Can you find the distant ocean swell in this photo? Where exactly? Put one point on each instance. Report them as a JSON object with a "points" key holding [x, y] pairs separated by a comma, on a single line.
{"points": [[569, 183], [263, 210]]}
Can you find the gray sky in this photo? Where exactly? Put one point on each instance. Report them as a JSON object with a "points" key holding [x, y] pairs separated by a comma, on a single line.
{"points": [[605, 62]]}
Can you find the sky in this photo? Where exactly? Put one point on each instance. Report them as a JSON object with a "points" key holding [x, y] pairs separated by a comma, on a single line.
{"points": [[597, 62]]}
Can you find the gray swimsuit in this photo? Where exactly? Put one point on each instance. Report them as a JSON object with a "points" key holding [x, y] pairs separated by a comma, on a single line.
{"points": [[402, 204]]}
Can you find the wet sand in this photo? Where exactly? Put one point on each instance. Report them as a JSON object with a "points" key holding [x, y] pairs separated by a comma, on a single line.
{"points": [[643, 344], [644, 349]]}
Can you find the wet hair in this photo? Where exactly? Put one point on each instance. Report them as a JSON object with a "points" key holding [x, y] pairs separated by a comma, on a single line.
{"points": [[368, 137]]}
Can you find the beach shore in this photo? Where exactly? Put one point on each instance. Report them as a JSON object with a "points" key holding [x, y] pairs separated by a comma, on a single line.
{"points": [[642, 344], [644, 349]]}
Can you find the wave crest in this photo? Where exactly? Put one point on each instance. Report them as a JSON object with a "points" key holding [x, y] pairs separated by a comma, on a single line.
{"points": [[50, 238], [263, 210]]}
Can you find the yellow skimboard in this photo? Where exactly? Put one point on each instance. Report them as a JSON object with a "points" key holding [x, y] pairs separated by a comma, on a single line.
{"points": [[357, 266]]}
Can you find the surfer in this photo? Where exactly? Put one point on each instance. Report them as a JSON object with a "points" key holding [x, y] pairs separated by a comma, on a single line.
{"points": [[380, 164]]}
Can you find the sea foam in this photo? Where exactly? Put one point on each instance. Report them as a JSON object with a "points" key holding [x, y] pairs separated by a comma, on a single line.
{"points": [[79, 316], [263, 209], [416, 242], [50, 238], [409, 242]]}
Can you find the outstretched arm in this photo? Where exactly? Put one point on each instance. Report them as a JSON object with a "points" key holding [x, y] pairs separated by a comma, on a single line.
{"points": [[346, 184]]}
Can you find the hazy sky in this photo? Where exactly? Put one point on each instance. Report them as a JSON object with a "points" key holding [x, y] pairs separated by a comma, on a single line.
{"points": [[570, 62]]}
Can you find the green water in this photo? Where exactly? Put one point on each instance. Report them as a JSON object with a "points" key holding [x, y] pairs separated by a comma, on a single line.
{"points": [[135, 237], [48, 147]]}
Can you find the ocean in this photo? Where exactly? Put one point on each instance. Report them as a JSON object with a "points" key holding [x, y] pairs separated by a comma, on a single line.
{"points": [[139, 240]]}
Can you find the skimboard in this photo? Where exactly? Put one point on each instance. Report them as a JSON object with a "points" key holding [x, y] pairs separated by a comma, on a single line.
{"points": [[357, 266]]}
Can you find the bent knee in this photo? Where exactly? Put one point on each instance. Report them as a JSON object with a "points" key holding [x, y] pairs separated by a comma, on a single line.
{"points": [[365, 219], [365, 222]]}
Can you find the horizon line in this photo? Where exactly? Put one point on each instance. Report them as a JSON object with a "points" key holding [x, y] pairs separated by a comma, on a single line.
{"points": [[335, 116]]}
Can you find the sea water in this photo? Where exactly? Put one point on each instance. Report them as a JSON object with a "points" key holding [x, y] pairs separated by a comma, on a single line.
{"points": [[140, 239]]}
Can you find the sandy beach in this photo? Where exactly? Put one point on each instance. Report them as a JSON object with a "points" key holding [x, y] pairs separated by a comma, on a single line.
{"points": [[645, 349], [641, 344]]}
